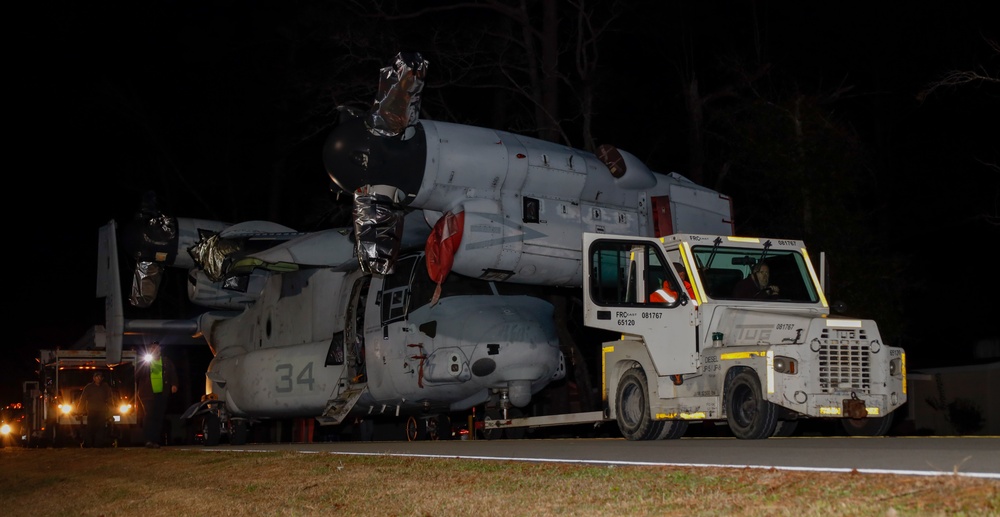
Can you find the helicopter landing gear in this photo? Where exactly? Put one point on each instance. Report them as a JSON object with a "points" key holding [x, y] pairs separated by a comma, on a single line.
{"points": [[431, 427], [500, 408]]}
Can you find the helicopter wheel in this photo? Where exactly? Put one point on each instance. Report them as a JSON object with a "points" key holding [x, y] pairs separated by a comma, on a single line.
{"points": [[412, 429], [433, 432], [442, 424]]}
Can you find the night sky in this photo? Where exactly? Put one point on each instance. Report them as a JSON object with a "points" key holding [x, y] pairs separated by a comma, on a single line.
{"points": [[196, 101]]}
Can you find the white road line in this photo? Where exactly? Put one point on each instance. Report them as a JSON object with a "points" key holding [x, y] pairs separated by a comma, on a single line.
{"points": [[614, 463]]}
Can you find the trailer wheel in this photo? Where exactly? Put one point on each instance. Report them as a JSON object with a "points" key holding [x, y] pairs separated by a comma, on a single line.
{"points": [[867, 426], [238, 431], [632, 407], [488, 415], [211, 428], [750, 416]]}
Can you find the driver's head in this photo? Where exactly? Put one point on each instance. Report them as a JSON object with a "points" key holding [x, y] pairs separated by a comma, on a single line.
{"points": [[681, 271], [762, 273]]}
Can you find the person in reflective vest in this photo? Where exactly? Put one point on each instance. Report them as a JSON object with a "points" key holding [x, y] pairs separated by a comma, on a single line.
{"points": [[681, 272], [665, 294], [155, 380]]}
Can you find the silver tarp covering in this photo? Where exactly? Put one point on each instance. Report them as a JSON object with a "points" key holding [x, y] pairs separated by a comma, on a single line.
{"points": [[397, 105], [145, 283], [378, 227], [211, 253], [156, 234]]}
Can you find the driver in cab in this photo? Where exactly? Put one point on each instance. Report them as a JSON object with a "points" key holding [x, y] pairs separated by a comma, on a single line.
{"points": [[757, 284]]}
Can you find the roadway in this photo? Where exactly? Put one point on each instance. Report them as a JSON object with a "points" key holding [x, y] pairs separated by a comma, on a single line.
{"points": [[919, 456]]}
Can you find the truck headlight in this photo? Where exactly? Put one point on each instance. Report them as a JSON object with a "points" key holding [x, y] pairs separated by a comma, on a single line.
{"points": [[784, 364], [124, 408], [5, 429], [66, 408]]}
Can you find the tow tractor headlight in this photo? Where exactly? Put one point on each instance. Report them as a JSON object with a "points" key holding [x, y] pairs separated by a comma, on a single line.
{"points": [[66, 408], [5, 429], [784, 364], [896, 367], [124, 408]]}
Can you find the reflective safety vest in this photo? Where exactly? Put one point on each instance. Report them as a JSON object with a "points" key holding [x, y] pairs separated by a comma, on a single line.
{"points": [[156, 375], [663, 295]]}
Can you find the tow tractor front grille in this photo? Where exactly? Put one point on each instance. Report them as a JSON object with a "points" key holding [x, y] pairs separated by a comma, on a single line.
{"points": [[844, 364]]}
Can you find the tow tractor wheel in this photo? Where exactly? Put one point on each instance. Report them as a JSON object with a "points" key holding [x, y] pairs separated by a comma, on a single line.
{"points": [[673, 429], [750, 416], [632, 408], [785, 428]]}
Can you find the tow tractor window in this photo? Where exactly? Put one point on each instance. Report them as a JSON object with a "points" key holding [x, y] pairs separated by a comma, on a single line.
{"points": [[727, 272], [611, 281], [629, 273]]}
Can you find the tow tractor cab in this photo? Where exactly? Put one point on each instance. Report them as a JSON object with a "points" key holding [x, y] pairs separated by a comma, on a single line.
{"points": [[760, 356]]}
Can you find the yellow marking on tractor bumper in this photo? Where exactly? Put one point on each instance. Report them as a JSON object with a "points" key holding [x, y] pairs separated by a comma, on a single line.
{"points": [[699, 415], [741, 355]]}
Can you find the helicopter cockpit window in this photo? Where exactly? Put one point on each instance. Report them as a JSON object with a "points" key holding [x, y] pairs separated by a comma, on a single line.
{"points": [[410, 287], [396, 290]]}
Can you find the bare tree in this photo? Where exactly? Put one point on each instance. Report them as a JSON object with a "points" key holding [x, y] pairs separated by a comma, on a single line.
{"points": [[953, 79], [976, 78], [542, 57]]}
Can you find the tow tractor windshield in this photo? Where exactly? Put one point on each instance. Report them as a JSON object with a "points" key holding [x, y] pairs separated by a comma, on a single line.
{"points": [[754, 274]]}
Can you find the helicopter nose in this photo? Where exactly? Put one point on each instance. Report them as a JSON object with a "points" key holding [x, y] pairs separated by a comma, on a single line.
{"points": [[354, 157], [527, 352]]}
